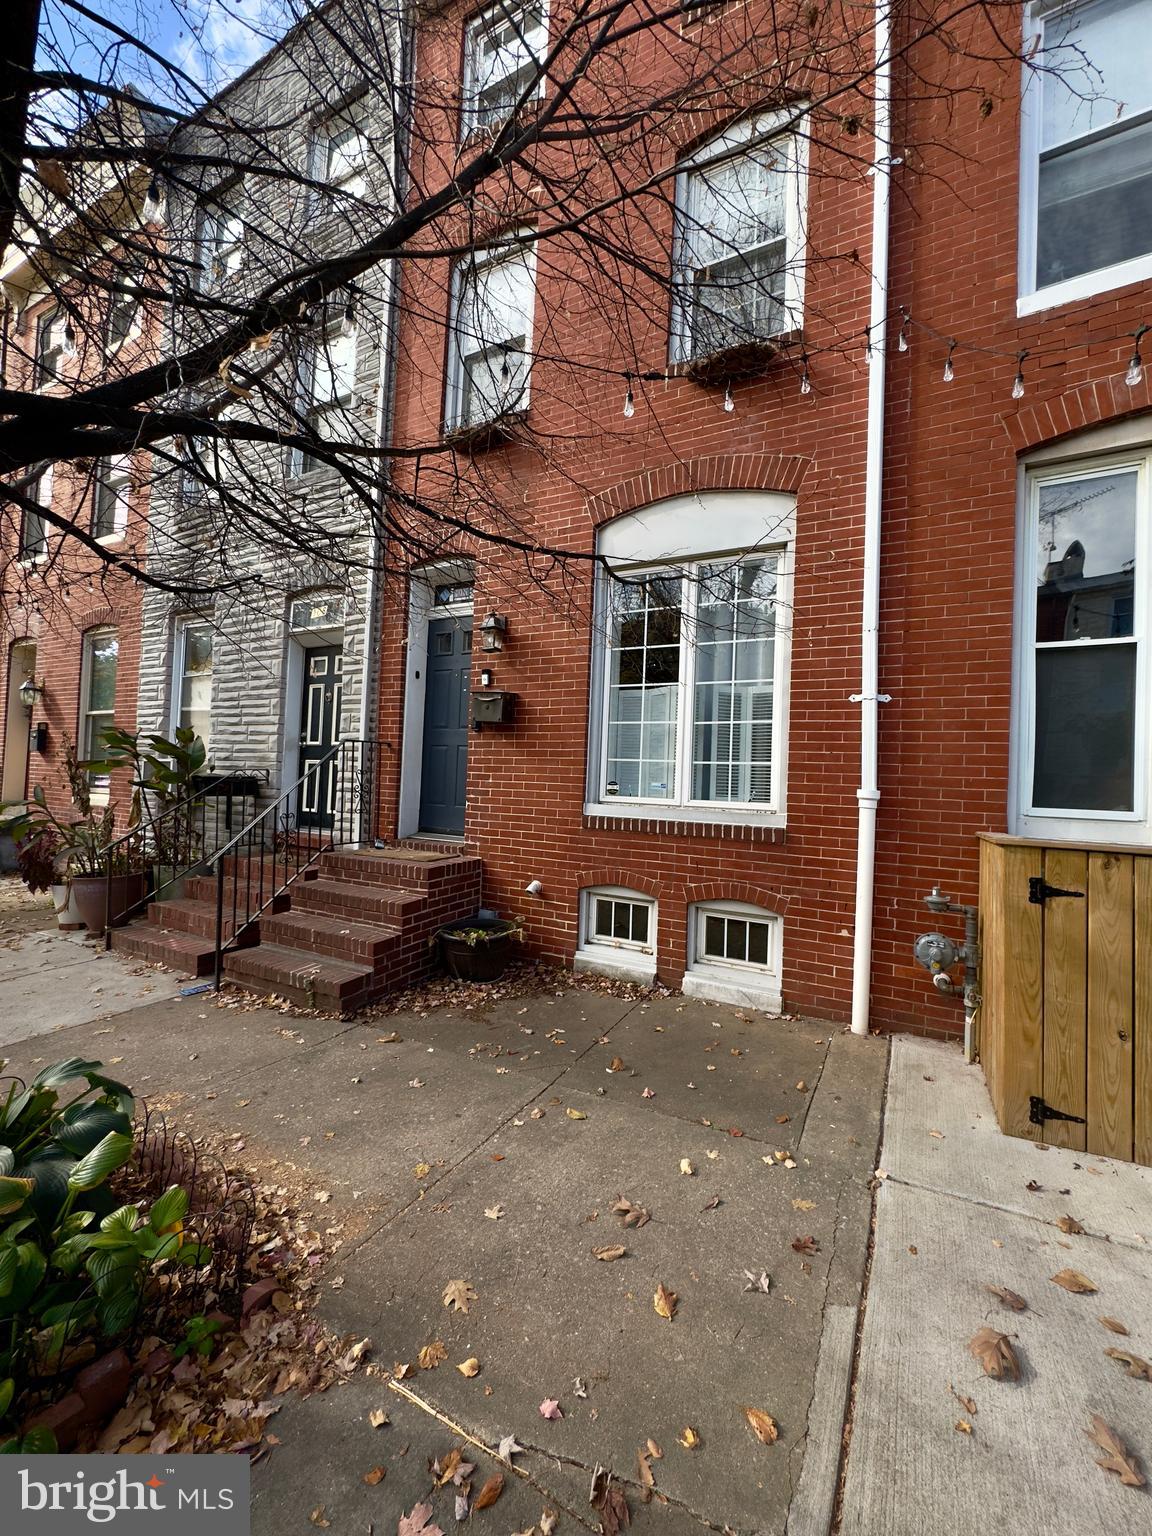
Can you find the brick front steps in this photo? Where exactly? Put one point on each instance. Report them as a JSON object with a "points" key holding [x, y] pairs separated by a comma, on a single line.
{"points": [[345, 932]]}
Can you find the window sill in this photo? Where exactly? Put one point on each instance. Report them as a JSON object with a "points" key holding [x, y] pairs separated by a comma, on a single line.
{"points": [[626, 964], [749, 360], [477, 436], [1088, 285], [720, 986], [687, 821]]}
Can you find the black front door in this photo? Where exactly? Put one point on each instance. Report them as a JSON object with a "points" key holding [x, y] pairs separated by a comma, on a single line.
{"points": [[319, 732], [444, 769]]}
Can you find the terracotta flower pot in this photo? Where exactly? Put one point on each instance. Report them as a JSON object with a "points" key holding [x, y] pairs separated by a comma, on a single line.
{"points": [[92, 898]]}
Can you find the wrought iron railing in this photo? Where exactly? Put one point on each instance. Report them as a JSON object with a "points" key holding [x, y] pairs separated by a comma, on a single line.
{"points": [[331, 805], [171, 840]]}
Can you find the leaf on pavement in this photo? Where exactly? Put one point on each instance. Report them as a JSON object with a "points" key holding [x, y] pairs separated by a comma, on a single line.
{"points": [[712, 1204], [418, 1522], [319, 1518], [469, 1367], [494, 1212], [1070, 1225], [689, 1439], [686, 1167], [548, 1522], [630, 1215], [432, 1354], [401, 1370], [508, 1448], [963, 1426], [490, 1492], [647, 1476], [762, 1425], [665, 1301], [761, 1282], [1117, 1457], [607, 1498], [421, 1170], [803, 1205], [805, 1245], [378, 1418], [459, 1295], [995, 1353], [1072, 1280], [1009, 1299], [462, 1505], [576, 1114], [615, 1251], [967, 1403], [1138, 1368], [1114, 1325], [616, 1065], [551, 1409], [654, 1450], [377, 1475], [444, 1471]]}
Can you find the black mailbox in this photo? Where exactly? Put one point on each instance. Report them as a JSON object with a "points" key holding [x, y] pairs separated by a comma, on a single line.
{"points": [[492, 706]]}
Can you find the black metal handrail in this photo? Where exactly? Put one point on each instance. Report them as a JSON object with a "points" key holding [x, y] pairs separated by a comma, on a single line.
{"points": [[180, 841], [330, 805]]}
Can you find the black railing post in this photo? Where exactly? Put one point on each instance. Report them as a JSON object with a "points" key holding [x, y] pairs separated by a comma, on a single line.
{"points": [[218, 961]]}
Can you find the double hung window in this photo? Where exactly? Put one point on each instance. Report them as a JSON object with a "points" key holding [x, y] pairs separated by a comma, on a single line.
{"points": [[33, 528], [327, 385], [51, 346], [221, 237], [342, 151], [193, 681], [493, 296], [101, 654], [504, 48], [110, 499]]}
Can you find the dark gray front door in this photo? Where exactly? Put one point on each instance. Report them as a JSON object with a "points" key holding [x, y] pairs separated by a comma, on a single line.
{"points": [[319, 732], [444, 768]]}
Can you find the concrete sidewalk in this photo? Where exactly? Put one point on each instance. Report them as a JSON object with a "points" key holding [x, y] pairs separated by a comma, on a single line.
{"points": [[962, 1208], [415, 1144]]}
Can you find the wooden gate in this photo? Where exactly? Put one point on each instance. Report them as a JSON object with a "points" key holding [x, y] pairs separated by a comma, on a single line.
{"points": [[1066, 1018]]}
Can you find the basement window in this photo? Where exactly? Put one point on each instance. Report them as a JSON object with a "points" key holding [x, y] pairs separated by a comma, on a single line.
{"points": [[617, 932], [734, 952]]}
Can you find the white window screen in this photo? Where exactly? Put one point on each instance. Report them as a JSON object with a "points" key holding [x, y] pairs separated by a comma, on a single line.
{"points": [[110, 498], [491, 330], [503, 51], [100, 658], [221, 239], [328, 384], [344, 153], [194, 683]]}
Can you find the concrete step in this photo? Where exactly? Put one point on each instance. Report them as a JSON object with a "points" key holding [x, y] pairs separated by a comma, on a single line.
{"points": [[309, 980], [324, 934], [363, 903], [188, 954], [197, 918]]}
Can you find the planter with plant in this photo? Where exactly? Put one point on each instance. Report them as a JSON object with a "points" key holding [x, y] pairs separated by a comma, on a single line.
{"points": [[479, 948]]}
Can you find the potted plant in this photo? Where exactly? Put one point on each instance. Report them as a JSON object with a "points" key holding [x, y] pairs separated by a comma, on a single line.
{"points": [[164, 775], [478, 948]]}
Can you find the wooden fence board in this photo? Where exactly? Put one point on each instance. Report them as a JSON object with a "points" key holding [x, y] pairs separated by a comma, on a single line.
{"points": [[1142, 1015], [1021, 1067], [1066, 995], [1110, 1004]]}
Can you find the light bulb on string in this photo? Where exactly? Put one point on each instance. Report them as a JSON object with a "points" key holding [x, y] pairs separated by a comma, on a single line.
{"points": [[902, 338], [1135, 362], [69, 339], [869, 352], [729, 403], [348, 319], [1018, 381], [629, 398], [949, 371], [805, 380]]}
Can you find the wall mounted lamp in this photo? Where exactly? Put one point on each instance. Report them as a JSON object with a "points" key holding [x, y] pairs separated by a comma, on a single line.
{"points": [[31, 692], [493, 628]]}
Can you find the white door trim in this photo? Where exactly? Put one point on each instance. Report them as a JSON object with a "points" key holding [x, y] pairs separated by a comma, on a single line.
{"points": [[421, 588]]}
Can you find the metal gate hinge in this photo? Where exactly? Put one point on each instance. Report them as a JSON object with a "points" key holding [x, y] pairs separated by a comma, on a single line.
{"points": [[1039, 891], [1038, 1111]]}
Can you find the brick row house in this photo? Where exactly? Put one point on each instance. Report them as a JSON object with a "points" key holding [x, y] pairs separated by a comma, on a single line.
{"points": [[856, 447]]}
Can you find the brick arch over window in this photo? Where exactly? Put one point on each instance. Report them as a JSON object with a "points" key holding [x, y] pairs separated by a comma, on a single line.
{"points": [[96, 618], [1085, 406], [603, 874], [737, 890], [711, 472]]}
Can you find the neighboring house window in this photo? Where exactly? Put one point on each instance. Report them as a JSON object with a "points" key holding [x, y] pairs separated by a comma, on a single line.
{"points": [[1087, 147], [51, 344], [617, 931], [123, 316], [504, 48], [33, 528], [221, 237], [690, 673], [110, 499], [493, 296], [193, 692], [341, 151], [98, 699], [739, 245], [1082, 733], [734, 954], [327, 388]]}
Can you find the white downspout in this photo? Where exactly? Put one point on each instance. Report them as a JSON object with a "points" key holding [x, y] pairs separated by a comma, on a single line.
{"points": [[868, 794]]}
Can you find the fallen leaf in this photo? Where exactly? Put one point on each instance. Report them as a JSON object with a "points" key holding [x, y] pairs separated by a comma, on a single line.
{"points": [[576, 1114], [496, 1157], [630, 1215], [762, 1425], [446, 1471], [1070, 1225], [469, 1367], [995, 1353], [937, 1135], [803, 1205], [490, 1492], [607, 1498], [615, 1065], [1117, 1457], [548, 1522], [418, 1522], [537, 1113], [392, 1039], [963, 1426], [377, 1475], [1114, 1325], [421, 1170], [378, 1418], [459, 1295], [967, 1403], [1009, 1299], [1138, 1368], [494, 1212], [805, 1245], [761, 1282], [318, 1517], [686, 1167], [801, 1086], [783, 1119], [508, 1448], [654, 1450], [579, 1387], [551, 1409], [461, 1506], [1032, 1187], [689, 1439], [608, 1254], [401, 1370], [665, 1301], [432, 1355], [712, 1204], [647, 1476], [1072, 1280], [647, 1093]]}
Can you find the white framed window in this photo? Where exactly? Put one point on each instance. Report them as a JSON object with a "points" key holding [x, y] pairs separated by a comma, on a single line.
{"points": [[734, 954], [504, 48], [53, 330], [1086, 143], [739, 245], [617, 932], [1081, 729], [33, 528], [340, 153], [221, 236], [192, 678], [110, 497], [490, 345], [327, 387], [99, 660], [123, 315]]}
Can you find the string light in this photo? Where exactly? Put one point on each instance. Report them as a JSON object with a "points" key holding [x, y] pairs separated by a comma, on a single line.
{"points": [[805, 380], [729, 403], [69, 339], [1136, 362], [1018, 381], [902, 339], [629, 398], [348, 319], [869, 353], [949, 371]]}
